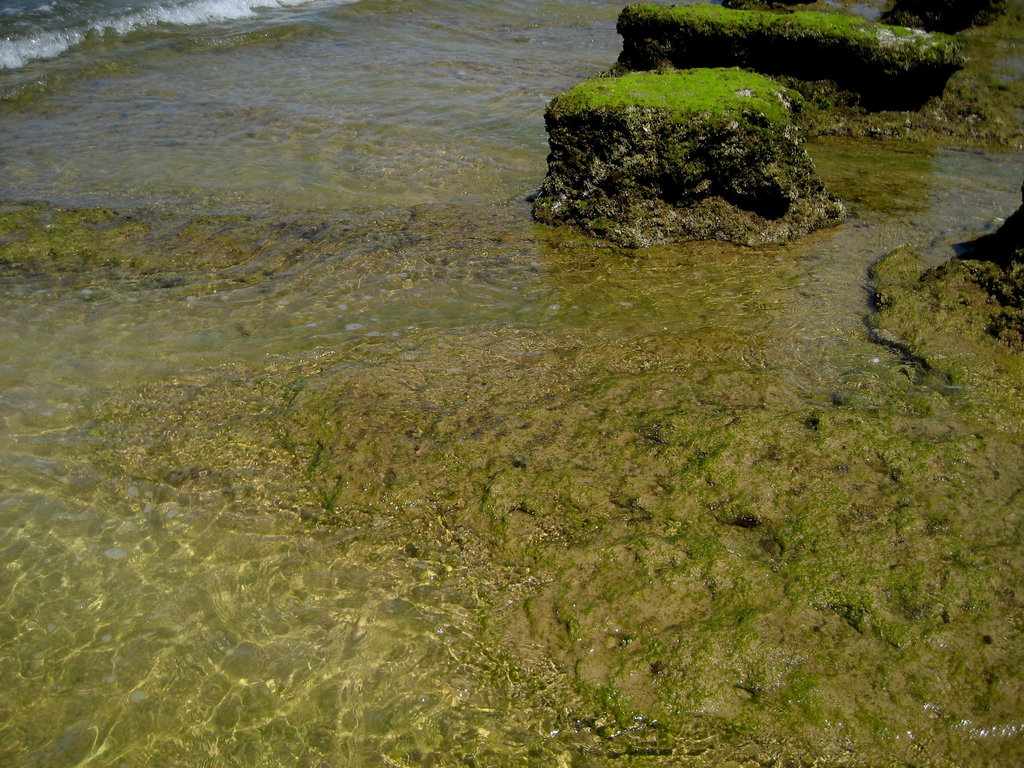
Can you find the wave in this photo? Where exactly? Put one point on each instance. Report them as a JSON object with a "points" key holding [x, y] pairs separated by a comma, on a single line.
{"points": [[17, 51]]}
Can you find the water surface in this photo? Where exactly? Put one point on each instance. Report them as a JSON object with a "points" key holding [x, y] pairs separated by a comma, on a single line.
{"points": [[252, 499]]}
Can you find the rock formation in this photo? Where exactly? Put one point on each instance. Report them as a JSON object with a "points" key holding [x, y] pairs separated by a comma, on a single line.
{"points": [[645, 158], [889, 67]]}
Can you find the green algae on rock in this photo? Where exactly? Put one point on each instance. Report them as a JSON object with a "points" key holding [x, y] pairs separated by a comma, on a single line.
{"points": [[977, 293], [889, 67], [979, 106], [964, 318], [684, 155], [147, 246], [1006, 245], [994, 265], [943, 15]]}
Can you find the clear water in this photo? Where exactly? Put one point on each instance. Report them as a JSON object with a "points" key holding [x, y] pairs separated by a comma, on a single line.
{"points": [[145, 625], [331, 106]]}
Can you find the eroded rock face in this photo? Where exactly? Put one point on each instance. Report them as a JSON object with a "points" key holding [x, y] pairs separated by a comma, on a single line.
{"points": [[943, 15], [890, 67], [646, 158]]}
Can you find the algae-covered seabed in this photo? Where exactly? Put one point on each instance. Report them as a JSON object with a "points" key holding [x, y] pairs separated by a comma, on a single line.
{"points": [[676, 503], [670, 507]]}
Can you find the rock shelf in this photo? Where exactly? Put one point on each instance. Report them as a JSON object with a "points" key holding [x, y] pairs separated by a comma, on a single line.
{"points": [[890, 67]]}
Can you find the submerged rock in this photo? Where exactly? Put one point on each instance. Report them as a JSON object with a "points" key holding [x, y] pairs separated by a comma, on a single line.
{"points": [[890, 67], [645, 158], [943, 15]]}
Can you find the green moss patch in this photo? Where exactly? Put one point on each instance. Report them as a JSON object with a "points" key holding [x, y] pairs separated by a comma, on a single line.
{"points": [[969, 297], [887, 65], [682, 93]]}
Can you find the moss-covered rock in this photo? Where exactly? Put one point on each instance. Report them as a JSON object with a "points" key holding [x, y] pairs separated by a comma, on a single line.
{"points": [[995, 264], [682, 155], [1006, 245], [943, 15], [889, 67], [981, 291]]}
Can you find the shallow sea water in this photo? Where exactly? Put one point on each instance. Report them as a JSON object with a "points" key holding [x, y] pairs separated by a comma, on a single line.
{"points": [[151, 614]]}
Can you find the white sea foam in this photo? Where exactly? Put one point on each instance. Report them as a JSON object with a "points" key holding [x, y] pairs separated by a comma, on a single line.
{"points": [[16, 51]]}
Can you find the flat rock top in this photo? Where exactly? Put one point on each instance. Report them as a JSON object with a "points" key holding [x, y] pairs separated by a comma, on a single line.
{"points": [[714, 92], [834, 26]]}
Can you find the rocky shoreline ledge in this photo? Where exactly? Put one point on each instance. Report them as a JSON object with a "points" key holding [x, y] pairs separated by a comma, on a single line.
{"points": [[889, 67], [668, 147]]}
